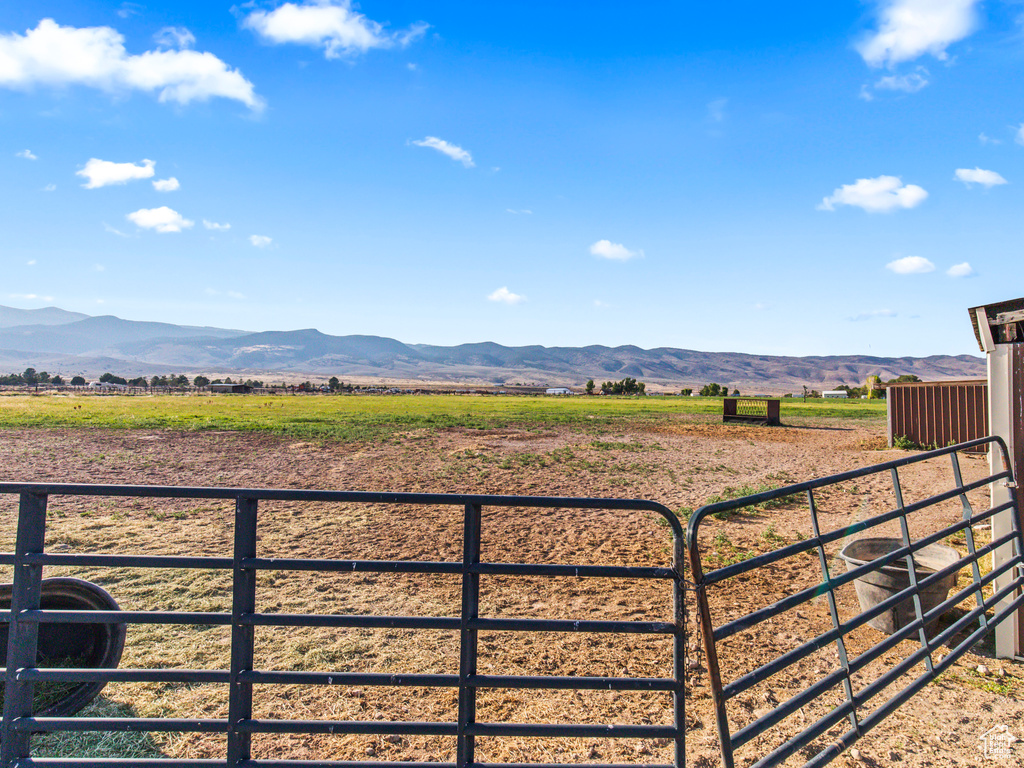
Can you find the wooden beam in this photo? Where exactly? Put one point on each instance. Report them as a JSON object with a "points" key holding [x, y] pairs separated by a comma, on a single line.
{"points": [[1005, 318], [984, 332]]}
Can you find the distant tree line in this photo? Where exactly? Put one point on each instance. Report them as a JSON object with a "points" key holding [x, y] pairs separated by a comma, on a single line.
{"points": [[627, 386], [32, 377], [873, 388], [713, 390]]}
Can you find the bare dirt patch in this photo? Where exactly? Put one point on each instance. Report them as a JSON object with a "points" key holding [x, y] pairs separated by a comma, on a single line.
{"points": [[679, 464]]}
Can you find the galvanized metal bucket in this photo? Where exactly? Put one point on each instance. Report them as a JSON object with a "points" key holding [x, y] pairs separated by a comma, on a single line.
{"points": [[882, 583]]}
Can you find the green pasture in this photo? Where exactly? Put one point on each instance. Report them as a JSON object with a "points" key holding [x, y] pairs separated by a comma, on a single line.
{"points": [[365, 417]]}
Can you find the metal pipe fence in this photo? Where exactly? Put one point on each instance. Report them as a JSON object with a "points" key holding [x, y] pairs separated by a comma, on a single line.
{"points": [[853, 686], [857, 695], [25, 617]]}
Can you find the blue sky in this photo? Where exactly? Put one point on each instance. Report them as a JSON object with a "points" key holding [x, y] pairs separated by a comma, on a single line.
{"points": [[788, 178]]}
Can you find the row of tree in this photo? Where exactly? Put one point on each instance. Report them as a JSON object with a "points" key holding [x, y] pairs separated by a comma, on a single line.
{"points": [[873, 388], [627, 386], [714, 390], [31, 377], [171, 381]]}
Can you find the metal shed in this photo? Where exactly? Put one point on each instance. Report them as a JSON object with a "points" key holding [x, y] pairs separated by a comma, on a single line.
{"points": [[240, 389]]}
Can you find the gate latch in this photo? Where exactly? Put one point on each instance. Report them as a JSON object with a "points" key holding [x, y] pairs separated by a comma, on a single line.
{"points": [[1009, 484]]}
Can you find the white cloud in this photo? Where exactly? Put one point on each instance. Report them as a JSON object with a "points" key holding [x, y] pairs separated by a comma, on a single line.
{"points": [[873, 314], [260, 241], [1019, 136], [99, 268], [31, 262], [910, 265], [505, 296], [29, 296], [103, 173], [908, 29], [453, 151], [985, 139], [911, 83], [525, 211], [987, 179], [963, 269], [601, 304], [96, 57], [606, 249], [27, 154], [127, 10], [162, 219], [716, 110], [50, 188], [333, 26], [229, 294], [111, 230], [215, 225], [166, 185], [175, 37], [407, 37], [881, 194]]}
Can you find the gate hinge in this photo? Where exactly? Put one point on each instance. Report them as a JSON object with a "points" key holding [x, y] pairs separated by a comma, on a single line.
{"points": [[1009, 484]]}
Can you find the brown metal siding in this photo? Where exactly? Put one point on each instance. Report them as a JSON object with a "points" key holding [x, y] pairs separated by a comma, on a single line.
{"points": [[938, 413], [1017, 447]]}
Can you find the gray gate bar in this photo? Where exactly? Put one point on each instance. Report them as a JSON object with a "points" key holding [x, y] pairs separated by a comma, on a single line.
{"points": [[853, 702], [26, 615]]}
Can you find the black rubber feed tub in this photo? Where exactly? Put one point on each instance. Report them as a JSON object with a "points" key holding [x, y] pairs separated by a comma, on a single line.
{"points": [[875, 586], [71, 645]]}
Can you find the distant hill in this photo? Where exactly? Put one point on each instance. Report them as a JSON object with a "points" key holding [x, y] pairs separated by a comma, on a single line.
{"points": [[60, 341], [99, 335], [9, 316]]}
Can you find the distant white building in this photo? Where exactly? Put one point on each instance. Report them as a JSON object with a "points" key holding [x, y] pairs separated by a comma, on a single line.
{"points": [[558, 391], [836, 393]]}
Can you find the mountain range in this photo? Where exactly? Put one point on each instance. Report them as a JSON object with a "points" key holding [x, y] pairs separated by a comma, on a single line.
{"points": [[72, 343]]}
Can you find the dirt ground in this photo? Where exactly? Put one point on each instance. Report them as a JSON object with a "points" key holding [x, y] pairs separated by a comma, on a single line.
{"points": [[680, 464]]}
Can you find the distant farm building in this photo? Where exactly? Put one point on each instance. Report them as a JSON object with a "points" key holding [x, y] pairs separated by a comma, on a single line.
{"points": [[238, 389], [558, 391], [836, 393]]}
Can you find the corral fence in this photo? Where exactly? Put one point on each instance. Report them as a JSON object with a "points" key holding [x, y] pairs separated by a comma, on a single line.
{"points": [[26, 615], [857, 692], [851, 699], [938, 413]]}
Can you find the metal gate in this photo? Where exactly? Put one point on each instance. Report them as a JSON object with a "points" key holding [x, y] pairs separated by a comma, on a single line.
{"points": [[865, 669], [25, 616]]}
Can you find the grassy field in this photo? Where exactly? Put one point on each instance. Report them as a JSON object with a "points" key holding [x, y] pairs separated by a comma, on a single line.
{"points": [[353, 418], [673, 450]]}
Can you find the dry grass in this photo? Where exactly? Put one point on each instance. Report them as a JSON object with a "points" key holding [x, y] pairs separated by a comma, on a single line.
{"points": [[681, 468]]}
